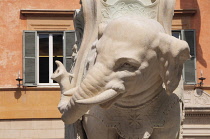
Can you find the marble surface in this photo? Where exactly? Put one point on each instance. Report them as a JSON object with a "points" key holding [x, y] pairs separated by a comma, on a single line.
{"points": [[126, 82]]}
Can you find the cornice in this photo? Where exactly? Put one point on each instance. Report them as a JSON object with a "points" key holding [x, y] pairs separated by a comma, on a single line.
{"points": [[46, 12], [197, 112], [185, 11]]}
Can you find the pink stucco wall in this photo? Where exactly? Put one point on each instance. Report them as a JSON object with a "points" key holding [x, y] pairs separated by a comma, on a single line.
{"points": [[11, 26], [201, 23]]}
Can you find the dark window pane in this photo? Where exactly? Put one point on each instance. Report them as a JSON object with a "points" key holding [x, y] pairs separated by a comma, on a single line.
{"points": [[43, 69], [189, 38], [44, 45], [176, 34], [57, 45], [43, 58], [189, 71], [57, 50]]}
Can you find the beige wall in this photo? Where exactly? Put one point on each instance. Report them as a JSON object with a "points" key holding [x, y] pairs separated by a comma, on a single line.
{"points": [[29, 103], [30, 129]]}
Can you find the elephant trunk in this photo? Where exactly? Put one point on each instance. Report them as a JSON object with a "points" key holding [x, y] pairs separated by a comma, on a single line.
{"points": [[63, 78], [91, 91]]}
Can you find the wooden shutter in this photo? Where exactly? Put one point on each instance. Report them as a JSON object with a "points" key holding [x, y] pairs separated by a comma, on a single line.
{"points": [[190, 65], [29, 58], [69, 41]]}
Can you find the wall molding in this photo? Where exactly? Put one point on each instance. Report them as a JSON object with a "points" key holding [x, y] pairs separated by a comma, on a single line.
{"points": [[185, 11], [45, 12]]}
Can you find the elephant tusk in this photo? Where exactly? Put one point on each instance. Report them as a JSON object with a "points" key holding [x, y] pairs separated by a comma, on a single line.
{"points": [[58, 63], [59, 71], [70, 92], [109, 103], [101, 98]]}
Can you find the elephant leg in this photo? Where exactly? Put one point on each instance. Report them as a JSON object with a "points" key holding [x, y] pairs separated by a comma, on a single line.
{"points": [[95, 129]]}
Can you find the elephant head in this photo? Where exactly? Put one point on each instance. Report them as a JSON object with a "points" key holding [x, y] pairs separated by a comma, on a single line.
{"points": [[134, 56]]}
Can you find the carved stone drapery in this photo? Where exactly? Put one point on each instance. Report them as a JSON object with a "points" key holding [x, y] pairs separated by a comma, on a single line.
{"points": [[97, 12], [123, 8]]}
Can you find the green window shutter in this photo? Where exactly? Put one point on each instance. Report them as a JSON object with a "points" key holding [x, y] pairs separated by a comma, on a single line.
{"points": [[190, 65], [29, 58], [69, 41]]}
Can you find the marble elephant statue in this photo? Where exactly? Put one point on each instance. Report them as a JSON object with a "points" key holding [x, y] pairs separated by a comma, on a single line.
{"points": [[128, 93]]}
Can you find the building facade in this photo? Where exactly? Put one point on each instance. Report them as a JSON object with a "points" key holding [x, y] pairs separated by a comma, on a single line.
{"points": [[28, 109], [190, 23]]}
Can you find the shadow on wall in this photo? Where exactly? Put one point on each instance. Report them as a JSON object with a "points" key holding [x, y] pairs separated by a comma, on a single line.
{"points": [[196, 24], [22, 17], [17, 93]]}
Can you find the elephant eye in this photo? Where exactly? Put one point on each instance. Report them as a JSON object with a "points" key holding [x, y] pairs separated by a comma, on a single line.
{"points": [[128, 66]]}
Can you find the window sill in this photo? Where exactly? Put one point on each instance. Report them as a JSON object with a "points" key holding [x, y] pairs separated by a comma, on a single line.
{"points": [[48, 85], [42, 88], [189, 87]]}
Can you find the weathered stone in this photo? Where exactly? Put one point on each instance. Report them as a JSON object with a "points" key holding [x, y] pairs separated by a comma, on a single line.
{"points": [[126, 76]]}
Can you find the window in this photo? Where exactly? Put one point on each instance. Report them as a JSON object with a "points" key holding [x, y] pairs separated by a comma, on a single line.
{"points": [[189, 68], [50, 49], [41, 50]]}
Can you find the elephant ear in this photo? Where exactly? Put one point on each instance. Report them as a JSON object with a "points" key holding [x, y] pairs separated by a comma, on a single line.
{"points": [[172, 53]]}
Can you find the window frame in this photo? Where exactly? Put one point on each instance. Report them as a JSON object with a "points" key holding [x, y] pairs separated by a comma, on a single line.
{"points": [[35, 73], [50, 56], [182, 31]]}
